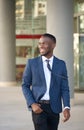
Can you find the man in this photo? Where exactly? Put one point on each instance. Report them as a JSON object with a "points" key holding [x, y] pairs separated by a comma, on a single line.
{"points": [[45, 86]]}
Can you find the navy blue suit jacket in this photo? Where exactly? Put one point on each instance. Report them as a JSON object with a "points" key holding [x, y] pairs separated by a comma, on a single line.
{"points": [[34, 83]]}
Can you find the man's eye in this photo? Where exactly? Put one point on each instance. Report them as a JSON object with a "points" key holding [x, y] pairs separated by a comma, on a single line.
{"points": [[46, 43]]}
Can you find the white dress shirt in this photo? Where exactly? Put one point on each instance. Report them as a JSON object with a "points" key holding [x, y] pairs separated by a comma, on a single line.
{"points": [[47, 74]]}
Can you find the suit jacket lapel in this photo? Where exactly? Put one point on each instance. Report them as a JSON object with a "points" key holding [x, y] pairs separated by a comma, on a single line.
{"points": [[55, 65], [41, 71], [54, 70]]}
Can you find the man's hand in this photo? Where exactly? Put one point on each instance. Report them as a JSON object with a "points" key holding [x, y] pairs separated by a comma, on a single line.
{"points": [[66, 114], [36, 108]]}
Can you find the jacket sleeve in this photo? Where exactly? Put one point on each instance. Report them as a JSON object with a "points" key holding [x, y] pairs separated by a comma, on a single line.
{"points": [[26, 84], [65, 88]]}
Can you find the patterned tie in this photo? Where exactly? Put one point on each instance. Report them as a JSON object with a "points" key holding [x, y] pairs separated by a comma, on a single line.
{"points": [[48, 65]]}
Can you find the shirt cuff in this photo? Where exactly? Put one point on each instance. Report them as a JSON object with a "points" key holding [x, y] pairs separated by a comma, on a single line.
{"points": [[66, 108]]}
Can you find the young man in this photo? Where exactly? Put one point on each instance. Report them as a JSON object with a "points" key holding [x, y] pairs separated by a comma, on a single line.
{"points": [[45, 86]]}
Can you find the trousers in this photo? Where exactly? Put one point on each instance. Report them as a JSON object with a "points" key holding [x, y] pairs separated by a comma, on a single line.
{"points": [[46, 120]]}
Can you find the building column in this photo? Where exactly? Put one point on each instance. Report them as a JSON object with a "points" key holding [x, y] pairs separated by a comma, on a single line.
{"points": [[60, 24], [7, 43]]}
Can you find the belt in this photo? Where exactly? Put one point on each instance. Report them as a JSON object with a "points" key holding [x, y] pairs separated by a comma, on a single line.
{"points": [[44, 101]]}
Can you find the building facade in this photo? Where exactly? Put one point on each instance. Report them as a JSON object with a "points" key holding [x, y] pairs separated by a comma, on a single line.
{"points": [[24, 21]]}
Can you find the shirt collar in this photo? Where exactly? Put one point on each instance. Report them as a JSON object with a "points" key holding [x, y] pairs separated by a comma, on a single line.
{"points": [[50, 59]]}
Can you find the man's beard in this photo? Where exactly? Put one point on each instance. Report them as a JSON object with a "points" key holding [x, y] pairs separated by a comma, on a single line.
{"points": [[45, 54]]}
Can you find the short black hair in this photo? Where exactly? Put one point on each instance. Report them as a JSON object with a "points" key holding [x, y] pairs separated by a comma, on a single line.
{"points": [[52, 37]]}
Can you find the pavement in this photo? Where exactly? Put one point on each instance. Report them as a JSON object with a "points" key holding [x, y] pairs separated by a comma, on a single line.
{"points": [[14, 114]]}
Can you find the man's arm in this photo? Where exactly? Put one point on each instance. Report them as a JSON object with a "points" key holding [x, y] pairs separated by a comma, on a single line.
{"points": [[65, 95], [26, 84]]}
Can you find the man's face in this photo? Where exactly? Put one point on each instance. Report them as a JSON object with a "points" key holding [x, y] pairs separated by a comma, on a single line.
{"points": [[46, 46]]}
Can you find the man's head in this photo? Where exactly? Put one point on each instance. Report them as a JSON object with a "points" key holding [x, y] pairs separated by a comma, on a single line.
{"points": [[47, 43]]}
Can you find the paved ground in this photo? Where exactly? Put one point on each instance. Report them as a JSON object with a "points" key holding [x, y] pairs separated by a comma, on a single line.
{"points": [[15, 116]]}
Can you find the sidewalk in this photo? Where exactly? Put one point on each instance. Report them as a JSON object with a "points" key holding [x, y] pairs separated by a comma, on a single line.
{"points": [[15, 116]]}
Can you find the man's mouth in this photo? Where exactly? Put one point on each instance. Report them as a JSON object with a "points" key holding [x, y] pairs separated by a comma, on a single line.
{"points": [[42, 50]]}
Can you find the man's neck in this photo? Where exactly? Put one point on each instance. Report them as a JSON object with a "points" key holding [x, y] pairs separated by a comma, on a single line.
{"points": [[49, 56]]}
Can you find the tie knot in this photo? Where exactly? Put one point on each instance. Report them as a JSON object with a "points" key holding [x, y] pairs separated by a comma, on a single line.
{"points": [[48, 61]]}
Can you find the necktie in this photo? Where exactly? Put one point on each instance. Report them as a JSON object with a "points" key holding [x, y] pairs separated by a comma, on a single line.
{"points": [[48, 65]]}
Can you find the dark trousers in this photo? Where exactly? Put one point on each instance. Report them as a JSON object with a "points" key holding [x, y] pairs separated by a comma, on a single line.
{"points": [[47, 120]]}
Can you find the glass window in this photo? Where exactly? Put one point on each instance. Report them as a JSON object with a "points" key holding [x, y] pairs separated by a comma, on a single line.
{"points": [[75, 25], [81, 24], [30, 24], [78, 6], [76, 60], [31, 16], [81, 62]]}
